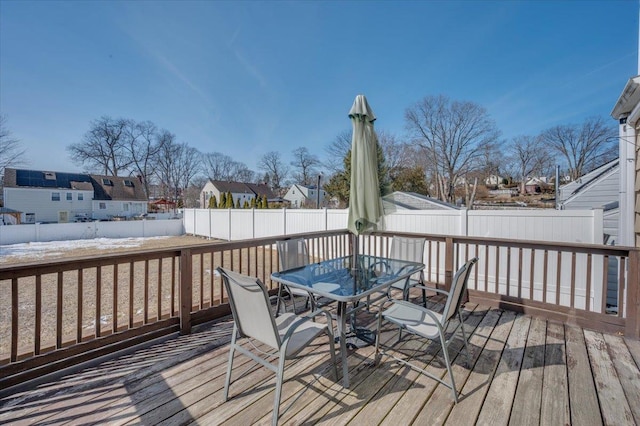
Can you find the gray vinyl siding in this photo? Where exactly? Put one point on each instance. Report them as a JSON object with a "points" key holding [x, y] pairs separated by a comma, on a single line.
{"points": [[597, 194]]}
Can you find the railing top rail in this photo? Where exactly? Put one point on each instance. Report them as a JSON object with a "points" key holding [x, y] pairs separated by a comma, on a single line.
{"points": [[84, 262]]}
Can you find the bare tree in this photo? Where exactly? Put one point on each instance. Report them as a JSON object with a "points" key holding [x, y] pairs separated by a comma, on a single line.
{"points": [[277, 172], [218, 166], [143, 143], [527, 155], [453, 134], [583, 146], [305, 165], [336, 151], [104, 146], [12, 154], [177, 165]]}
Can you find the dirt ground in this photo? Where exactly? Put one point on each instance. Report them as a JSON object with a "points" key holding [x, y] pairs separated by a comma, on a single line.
{"points": [[157, 296]]}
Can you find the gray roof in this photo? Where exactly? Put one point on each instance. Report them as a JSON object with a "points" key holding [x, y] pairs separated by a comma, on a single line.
{"points": [[115, 188], [399, 200], [243, 188]]}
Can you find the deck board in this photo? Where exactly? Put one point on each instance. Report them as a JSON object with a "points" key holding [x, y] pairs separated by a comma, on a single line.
{"points": [[529, 390], [555, 391], [584, 405], [499, 400], [627, 371], [522, 370], [613, 403]]}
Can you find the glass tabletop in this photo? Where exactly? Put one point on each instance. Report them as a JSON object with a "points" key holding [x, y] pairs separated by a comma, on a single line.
{"points": [[338, 279]]}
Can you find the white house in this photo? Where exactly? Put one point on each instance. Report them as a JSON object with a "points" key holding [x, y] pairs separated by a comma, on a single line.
{"points": [[45, 196], [240, 191], [305, 196]]}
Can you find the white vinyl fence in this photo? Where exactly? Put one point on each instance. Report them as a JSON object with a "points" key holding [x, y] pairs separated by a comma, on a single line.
{"points": [[564, 226], [569, 226], [38, 232]]}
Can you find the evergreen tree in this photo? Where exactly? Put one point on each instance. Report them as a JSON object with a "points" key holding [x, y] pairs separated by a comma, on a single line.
{"points": [[237, 206], [223, 201], [265, 204], [213, 203], [253, 202], [229, 200], [246, 204]]}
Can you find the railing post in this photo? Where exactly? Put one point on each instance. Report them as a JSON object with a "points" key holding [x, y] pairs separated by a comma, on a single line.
{"points": [[185, 291], [448, 262], [633, 296]]}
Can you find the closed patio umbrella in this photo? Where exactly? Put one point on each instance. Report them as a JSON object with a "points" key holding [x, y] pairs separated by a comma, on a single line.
{"points": [[365, 206]]}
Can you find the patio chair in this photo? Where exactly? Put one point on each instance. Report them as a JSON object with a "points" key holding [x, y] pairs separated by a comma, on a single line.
{"points": [[423, 322], [293, 253], [285, 335], [411, 249]]}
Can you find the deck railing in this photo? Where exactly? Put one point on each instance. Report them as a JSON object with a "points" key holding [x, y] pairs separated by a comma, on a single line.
{"points": [[58, 313]]}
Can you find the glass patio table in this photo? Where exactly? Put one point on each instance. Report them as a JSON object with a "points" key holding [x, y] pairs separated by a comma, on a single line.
{"points": [[347, 281]]}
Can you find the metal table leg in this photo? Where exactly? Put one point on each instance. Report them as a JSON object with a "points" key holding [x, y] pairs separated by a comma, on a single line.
{"points": [[342, 335]]}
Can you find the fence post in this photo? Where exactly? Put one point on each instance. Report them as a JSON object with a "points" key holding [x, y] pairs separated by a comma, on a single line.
{"points": [[284, 221], [448, 262], [632, 324], [185, 291], [464, 222], [326, 220], [229, 237]]}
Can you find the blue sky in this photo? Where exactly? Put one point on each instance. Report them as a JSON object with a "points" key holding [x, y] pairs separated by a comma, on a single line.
{"points": [[245, 78]]}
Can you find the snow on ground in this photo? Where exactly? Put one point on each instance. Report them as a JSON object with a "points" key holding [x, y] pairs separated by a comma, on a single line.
{"points": [[58, 248]]}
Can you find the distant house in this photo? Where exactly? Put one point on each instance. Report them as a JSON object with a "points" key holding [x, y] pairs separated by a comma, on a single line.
{"points": [[46, 196], [596, 189], [305, 196], [116, 196], [399, 200], [240, 191]]}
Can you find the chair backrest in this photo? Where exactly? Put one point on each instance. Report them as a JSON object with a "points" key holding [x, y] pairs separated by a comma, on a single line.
{"points": [[458, 286], [410, 249], [292, 253], [250, 306]]}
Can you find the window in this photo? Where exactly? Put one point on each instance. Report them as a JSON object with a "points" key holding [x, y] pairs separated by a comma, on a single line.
{"points": [[55, 196], [69, 196], [80, 197], [128, 183], [49, 176], [107, 182], [103, 206]]}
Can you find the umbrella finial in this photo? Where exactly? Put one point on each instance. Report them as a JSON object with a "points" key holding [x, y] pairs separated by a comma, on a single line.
{"points": [[361, 109]]}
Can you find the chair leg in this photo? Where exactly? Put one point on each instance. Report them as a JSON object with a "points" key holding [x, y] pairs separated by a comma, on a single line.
{"points": [[278, 392], [332, 348], [424, 297], [293, 302], [445, 350], [376, 357], [464, 337], [232, 350]]}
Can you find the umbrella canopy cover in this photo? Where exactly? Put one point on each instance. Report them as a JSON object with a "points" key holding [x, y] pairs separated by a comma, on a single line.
{"points": [[365, 206]]}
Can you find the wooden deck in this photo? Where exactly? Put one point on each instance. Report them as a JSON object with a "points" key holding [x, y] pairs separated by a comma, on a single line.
{"points": [[524, 371]]}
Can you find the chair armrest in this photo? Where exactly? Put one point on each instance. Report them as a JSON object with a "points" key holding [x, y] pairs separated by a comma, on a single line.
{"points": [[308, 317], [426, 311], [436, 290]]}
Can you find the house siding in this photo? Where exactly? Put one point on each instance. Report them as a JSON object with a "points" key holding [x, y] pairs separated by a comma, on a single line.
{"points": [[38, 201], [603, 191]]}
